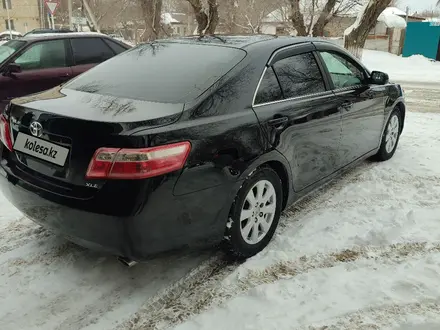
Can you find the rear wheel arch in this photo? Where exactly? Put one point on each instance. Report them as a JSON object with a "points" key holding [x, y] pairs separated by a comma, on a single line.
{"points": [[402, 110], [279, 164], [281, 170], [276, 162]]}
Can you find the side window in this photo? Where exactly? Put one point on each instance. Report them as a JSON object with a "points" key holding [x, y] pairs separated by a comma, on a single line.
{"points": [[269, 89], [344, 73], [43, 55], [118, 49], [299, 75], [90, 51], [9, 23]]}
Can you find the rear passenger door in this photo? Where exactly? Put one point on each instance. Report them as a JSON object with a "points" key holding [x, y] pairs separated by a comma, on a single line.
{"points": [[88, 52], [299, 114]]}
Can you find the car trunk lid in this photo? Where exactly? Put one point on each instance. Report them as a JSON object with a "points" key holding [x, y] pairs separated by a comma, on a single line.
{"points": [[56, 134]]}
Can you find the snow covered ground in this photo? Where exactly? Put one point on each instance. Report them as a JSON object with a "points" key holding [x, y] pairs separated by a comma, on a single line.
{"points": [[365, 254], [416, 68], [49, 283]]}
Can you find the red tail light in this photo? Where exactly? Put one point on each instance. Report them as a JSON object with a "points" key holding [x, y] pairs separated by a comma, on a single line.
{"points": [[112, 163], [5, 132]]}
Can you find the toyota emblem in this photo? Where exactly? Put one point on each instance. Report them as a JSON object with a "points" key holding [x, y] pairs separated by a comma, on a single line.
{"points": [[36, 129]]}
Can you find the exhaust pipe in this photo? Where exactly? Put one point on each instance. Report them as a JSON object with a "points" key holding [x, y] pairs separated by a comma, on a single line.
{"points": [[127, 262]]}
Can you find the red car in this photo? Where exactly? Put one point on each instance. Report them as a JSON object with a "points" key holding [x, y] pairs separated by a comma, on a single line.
{"points": [[39, 62]]}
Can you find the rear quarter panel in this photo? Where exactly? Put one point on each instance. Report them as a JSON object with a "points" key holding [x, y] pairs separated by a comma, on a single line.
{"points": [[223, 129], [225, 139]]}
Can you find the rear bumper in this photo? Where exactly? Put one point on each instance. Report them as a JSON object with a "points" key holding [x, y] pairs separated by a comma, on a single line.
{"points": [[165, 222]]}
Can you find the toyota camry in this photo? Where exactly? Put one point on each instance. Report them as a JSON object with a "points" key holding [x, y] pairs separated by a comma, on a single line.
{"points": [[195, 141]]}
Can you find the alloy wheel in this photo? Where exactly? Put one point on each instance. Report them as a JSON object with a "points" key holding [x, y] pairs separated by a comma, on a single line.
{"points": [[392, 134], [258, 212]]}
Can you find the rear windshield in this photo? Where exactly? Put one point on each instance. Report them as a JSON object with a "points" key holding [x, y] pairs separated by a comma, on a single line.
{"points": [[160, 72], [10, 48]]}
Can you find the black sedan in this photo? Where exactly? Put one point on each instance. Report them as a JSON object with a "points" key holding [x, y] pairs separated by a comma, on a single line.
{"points": [[195, 141]]}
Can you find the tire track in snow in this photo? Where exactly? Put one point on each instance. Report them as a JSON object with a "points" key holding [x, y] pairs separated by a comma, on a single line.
{"points": [[197, 294], [385, 316], [18, 233], [89, 290], [173, 305], [51, 282], [121, 288]]}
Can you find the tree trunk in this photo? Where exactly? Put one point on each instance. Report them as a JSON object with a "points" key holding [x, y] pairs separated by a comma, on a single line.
{"points": [[231, 17], [354, 41], [151, 10], [213, 17], [201, 17], [297, 18], [206, 22], [323, 19]]}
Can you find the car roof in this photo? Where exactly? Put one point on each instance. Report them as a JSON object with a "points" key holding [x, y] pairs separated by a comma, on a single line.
{"points": [[261, 44], [242, 41], [36, 36]]}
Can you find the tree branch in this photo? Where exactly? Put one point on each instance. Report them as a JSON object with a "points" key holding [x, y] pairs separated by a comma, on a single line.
{"points": [[297, 18], [324, 18]]}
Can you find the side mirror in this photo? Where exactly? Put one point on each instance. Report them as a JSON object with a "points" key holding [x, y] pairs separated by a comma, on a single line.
{"points": [[379, 78], [12, 68]]}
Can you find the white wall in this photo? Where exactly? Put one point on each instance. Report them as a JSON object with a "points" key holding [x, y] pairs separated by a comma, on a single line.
{"points": [[395, 42], [268, 29], [379, 29], [377, 44]]}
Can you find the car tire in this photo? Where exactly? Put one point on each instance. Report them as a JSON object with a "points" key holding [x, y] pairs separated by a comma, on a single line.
{"points": [[255, 214], [391, 136]]}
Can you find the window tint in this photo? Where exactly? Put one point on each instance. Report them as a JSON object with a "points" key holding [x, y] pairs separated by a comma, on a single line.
{"points": [[269, 89], [344, 73], [160, 72], [90, 51], [9, 23], [43, 55], [10, 48], [299, 75], [117, 49]]}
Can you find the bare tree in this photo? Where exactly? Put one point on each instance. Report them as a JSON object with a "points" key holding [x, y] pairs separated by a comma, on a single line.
{"points": [[324, 18], [105, 11], [331, 9], [297, 17], [429, 13], [356, 35], [207, 18], [250, 14], [310, 17], [151, 12]]}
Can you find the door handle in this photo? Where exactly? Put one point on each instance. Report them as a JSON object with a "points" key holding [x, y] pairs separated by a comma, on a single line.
{"points": [[278, 122]]}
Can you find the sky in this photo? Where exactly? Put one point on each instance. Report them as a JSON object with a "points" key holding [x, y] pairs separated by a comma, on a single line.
{"points": [[417, 5]]}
